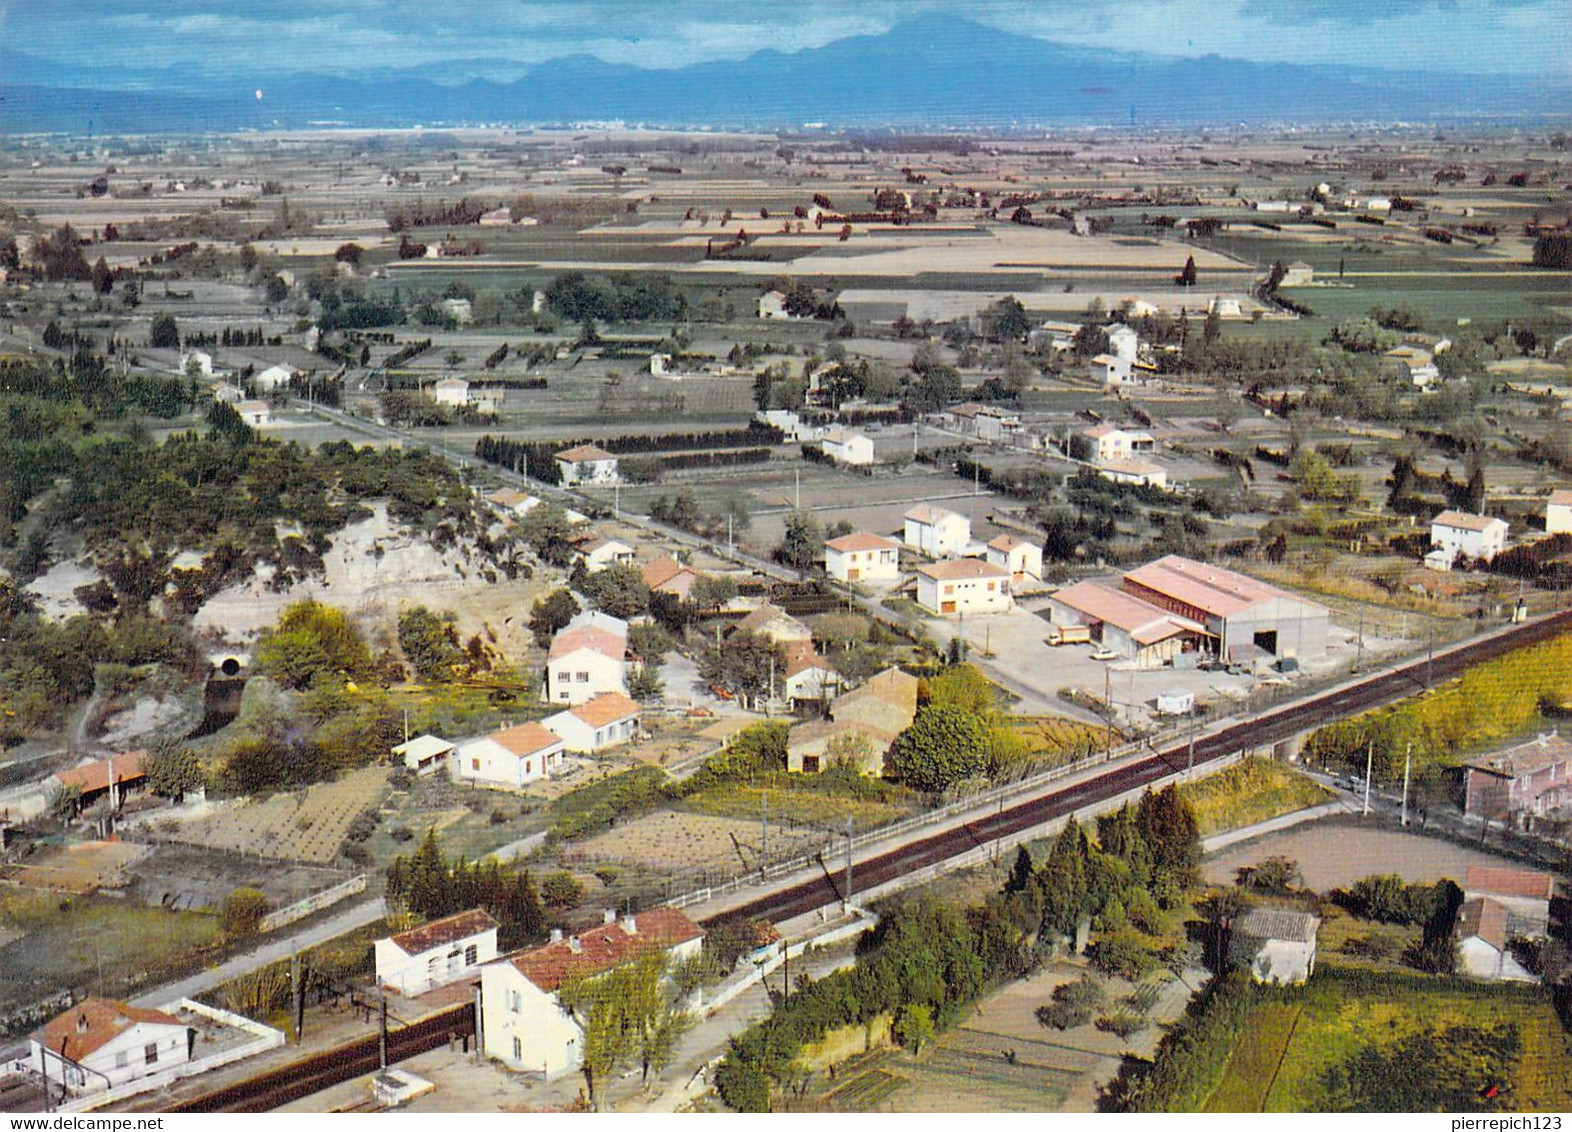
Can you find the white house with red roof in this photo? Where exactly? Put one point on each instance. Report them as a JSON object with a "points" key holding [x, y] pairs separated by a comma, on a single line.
{"points": [[1021, 557], [604, 721], [808, 677], [512, 757], [1459, 534], [436, 953], [963, 585], [769, 620], [937, 531], [588, 657], [668, 576], [847, 446], [863, 557], [586, 464], [1558, 512], [101, 1043], [526, 1026]]}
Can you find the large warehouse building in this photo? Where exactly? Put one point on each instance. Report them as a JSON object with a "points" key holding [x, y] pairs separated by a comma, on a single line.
{"points": [[1158, 612]]}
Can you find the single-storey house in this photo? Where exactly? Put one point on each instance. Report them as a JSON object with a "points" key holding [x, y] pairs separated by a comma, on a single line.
{"points": [[101, 1043], [599, 553], [1110, 443], [452, 392], [110, 777], [863, 557], [1124, 341], [817, 745], [514, 756], [772, 304], [1142, 473], [527, 1027], [1111, 368], [604, 721], [769, 620], [424, 753], [808, 677], [668, 576], [1483, 935], [963, 585], [1524, 893], [436, 953], [257, 414], [847, 446], [274, 377], [1278, 943], [196, 361]]}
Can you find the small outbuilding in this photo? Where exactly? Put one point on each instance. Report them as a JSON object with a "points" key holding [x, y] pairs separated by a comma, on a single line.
{"points": [[1277, 943]]}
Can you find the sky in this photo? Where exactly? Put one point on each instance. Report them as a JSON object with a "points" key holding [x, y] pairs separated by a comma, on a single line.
{"points": [[499, 39]]}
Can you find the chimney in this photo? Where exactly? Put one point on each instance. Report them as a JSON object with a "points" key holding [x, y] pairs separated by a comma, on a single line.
{"points": [[630, 925], [574, 945], [608, 917], [556, 935], [81, 1023]]}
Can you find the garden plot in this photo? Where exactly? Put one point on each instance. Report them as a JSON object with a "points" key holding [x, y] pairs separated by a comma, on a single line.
{"points": [[308, 826], [81, 868], [188, 877], [678, 841]]}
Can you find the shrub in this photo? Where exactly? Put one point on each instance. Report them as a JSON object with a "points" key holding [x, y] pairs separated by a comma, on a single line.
{"points": [[1124, 1023], [241, 912], [608, 874], [1063, 1016], [561, 890]]}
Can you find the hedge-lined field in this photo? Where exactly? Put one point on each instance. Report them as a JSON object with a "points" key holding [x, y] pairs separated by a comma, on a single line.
{"points": [[1250, 791], [1488, 703]]}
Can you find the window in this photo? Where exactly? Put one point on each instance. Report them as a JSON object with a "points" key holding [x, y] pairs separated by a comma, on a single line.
{"points": [[122, 1059], [516, 1002], [471, 954], [474, 764], [991, 585], [583, 677], [150, 1052], [529, 767], [948, 590], [564, 695], [518, 1050]]}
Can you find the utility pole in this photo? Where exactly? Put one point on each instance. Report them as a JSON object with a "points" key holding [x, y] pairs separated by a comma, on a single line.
{"points": [[298, 991], [1108, 707], [1369, 761], [1430, 657], [764, 830], [729, 548], [1359, 656], [382, 1031], [847, 905], [616, 500], [796, 474], [1189, 770], [1408, 757], [769, 703]]}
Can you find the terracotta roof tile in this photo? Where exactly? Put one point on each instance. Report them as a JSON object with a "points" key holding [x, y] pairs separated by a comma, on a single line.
{"points": [[862, 540], [1497, 880], [525, 739], [93, 776], [604, 947], [440, 933], [961, 569], [585, 452], [608, 707], [93, 1023]]}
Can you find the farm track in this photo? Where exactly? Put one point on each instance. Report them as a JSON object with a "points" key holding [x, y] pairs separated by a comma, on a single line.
{"points": [[810, 895], [320, 1071]]}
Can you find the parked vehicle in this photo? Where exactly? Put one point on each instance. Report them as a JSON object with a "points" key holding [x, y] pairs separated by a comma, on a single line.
{"points": [[1106, 654], [1070, 635]]}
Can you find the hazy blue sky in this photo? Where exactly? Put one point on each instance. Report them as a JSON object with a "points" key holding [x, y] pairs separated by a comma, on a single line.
{"points": [[1525, 36]]}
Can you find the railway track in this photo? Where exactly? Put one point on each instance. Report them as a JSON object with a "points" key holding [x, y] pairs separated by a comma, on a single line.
{"points": [[1272, 727], [320, 1071]]}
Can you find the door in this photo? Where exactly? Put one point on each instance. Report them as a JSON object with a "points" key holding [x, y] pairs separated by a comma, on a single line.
{"points": [[946, 607], [853, 575]]}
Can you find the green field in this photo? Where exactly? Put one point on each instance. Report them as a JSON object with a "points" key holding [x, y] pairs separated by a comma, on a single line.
{"points": [[1248, 792], [1289, 1044]]}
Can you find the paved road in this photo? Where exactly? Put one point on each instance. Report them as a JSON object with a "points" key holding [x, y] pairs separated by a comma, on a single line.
{"points": [[357, 915]]}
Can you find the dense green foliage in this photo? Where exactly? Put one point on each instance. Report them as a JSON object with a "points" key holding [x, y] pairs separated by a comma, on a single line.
{"points": [[1452, 1069], [946, 744], [924, 953], [433, 886]]}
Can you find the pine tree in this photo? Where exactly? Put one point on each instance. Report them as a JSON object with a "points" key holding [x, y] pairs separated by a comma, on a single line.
{"points": [[1063, 881]]}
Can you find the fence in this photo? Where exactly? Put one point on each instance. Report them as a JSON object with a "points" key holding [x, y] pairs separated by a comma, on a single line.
{"points": [[300, 909]]}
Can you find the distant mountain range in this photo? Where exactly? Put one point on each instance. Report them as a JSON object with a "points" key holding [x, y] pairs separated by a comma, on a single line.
{"points": [[938, 74]]}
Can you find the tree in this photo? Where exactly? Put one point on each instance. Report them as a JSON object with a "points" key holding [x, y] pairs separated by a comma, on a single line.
{"points": [[173, 771], [64, 803], [241, 912], [913, 1026], [546, 529], [1186, 276], [248, 258], [560, 890], [1220, 910], [350, 254], [1167, 825], [1005, 320], [551, 613], [802, 544], [618, 590], [103, 278], [943, 746], [274, 289], [627, 1014], [313, 640], [1275, 874], [743, 664], [430, 643], [165, 334]]}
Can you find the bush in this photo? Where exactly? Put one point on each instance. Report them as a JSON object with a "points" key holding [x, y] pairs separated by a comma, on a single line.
{"points": [[607, 875], [1123, 1023], [1124, 953], [561, 890], [1063, 1016], [241, 912]]}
